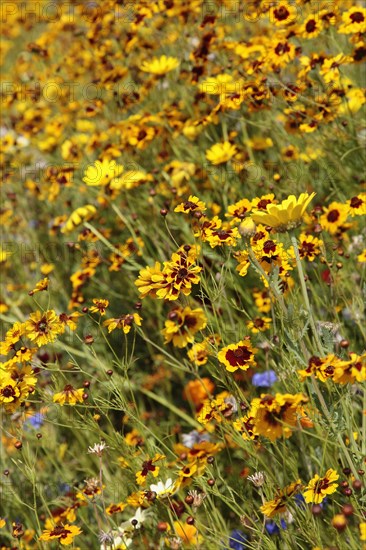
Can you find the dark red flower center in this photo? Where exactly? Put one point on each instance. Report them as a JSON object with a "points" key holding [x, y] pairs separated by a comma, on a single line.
{"points": [[333, 216]]}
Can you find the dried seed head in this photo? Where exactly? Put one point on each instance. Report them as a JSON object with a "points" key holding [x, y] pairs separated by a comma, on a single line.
{"points": [[257, 479]]}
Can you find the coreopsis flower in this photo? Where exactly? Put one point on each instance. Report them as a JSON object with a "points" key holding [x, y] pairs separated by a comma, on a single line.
{"points": [[43, 328], [311, 27], [78, 216], [262, 300], [221, 234], [261, 203], [182, 325], [279, 503], [198, 354], [125, 322], [276, 416], [99, 306], [309, 247], [69, 395], [350, 371], [40, 286], [221, 152], [357, 205], [115, 508], [101, 173], [284, 216], [322, 368], [215, 409], [319, 487], [362, 528], [193, 204], [239, 210], [245, 426], [259, 324], [71, 320], [148, 467], [238, 356], [353, 21], [64, 533], [160, 65], [282, 13], [333, 217]]}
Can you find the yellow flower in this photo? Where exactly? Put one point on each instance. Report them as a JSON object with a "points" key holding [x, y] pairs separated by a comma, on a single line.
{"points": [[354, 21], [69, 395], [160, 65], [102, 173], [309, 246], [64, 533], [319, 487], [237, 356], [279, 503], [188, 533], [148, 467], [198, 354], [276, 416], [334, 217], [80, 215], [99, 305], [125, 322], [362, 531], [41, 285], [362, 257], [43, 328], [286, 215], [221, 152], [259, 324], [193, 204], [182, 325]]}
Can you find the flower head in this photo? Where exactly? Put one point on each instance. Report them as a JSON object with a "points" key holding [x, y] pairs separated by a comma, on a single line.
{"points": [[284, 216], [160, 65], [319, 487]]}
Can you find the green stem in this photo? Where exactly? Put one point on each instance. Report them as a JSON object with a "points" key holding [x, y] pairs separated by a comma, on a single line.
{"points": [[305, 294]]}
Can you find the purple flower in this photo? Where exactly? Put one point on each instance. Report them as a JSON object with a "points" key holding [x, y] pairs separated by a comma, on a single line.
{"points": [[264, 379]]}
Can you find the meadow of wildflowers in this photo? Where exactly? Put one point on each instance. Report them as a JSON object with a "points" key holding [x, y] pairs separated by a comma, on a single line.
{"points": [[183, 275]]}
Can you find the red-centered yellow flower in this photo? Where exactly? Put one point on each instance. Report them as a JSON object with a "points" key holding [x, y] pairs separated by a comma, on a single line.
{"points": [[80, 215], [319, 487], [40, 286], [351, 371], [193, 204], [64, 533], [43, 328], [198, 354], [125, 322], [259, 324], [276, 416], [309, 246], [182, 325], [148, 467], [160, 65], [221, 152], [353, 21], [357, 205], [115, 508], [69, 395], [99, 306], [222, 234], [334, 217], [238, 356], [286, 215], [282, 13], [279, 504], [239, 210]]}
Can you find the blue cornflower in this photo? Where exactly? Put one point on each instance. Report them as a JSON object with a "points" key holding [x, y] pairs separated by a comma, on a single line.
{"points": [[264, 379], [238, 540], [272, 527], [35, 421]]}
